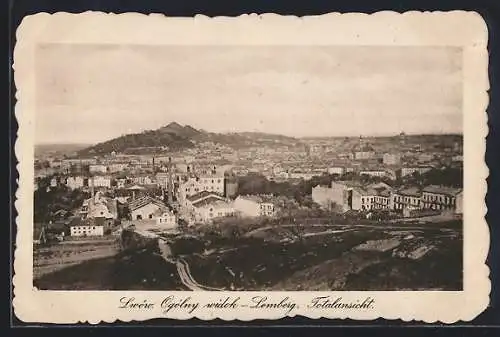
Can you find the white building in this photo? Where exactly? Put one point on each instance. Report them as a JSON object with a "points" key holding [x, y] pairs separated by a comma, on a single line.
{"points": [[322, 195], [101, 181], [253, 206], [443, 198], [146, 208], [167, 220], [75, 182], [391, 159], [98, 168], [336, 170], [99, 206], [86, 230], [373, 173], [195, 185], [188, 204], [206, 212], [407, 199], [406, 171], [117, 167]]}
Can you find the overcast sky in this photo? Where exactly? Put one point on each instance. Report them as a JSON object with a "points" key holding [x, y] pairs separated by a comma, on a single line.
{"points": [[89, 93]]}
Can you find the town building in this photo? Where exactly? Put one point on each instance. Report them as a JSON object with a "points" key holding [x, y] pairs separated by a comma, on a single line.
{"points": [[101, 181], [443, 198], [352, 195], [391, 159], [98, 168], [99, 206], [322, 195], [255, 205], [374, 173], [75, 182], [195, 185], [363, 151], [296, 174], [195, 208], [166, 221], [408, 199], [336, 170], [142, 179], [146, 208], [90, 226], [86, 230], [206, 211], [406, 171], [117, 167]]}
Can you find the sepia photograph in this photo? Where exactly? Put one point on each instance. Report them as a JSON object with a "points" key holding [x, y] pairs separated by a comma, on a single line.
{"points": [[251, 167], [248, 168]]}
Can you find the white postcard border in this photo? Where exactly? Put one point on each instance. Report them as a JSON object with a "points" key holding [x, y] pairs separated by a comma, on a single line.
{"points": [[461, 29]]}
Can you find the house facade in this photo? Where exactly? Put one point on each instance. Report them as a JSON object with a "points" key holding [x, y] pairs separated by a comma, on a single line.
{"points": [[443, 198], [147, 208], [207, 212], [195, 185], [407, 199], [98, 168], [86, 230], [254, 206], [167, 220], [75, 182]]}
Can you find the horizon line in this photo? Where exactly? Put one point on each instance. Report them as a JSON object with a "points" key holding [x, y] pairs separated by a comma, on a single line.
{"points": [[278, 134]]}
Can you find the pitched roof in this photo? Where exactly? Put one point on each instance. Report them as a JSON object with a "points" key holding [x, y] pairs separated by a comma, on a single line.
{"points": [[452, 191], [141, 202], [210, 200], [201, 195], [258, 198], [410, 191]]}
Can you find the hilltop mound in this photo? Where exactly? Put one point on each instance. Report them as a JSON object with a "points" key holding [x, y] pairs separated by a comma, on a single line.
{"points": [[175, 137]]}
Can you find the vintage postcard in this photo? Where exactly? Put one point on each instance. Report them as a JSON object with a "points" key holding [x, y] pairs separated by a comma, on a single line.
{"points": [[252, 167]]}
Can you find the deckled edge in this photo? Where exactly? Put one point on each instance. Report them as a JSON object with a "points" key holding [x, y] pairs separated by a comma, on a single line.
{"points": [[21, 300]]}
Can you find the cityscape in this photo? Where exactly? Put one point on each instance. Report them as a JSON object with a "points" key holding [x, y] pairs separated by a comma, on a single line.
{"points": [[356, 207], [248, 168]]}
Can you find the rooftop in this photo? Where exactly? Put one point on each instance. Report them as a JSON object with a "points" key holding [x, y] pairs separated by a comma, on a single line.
{"points": [[451, 191], [411, 192], [258, 198], [202, 195], [143, 201]]}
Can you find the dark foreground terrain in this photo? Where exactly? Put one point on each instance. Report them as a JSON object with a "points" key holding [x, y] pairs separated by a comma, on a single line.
{"points": [[322, 257]]}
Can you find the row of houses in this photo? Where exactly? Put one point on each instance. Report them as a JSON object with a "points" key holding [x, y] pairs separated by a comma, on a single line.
{"points": [[352, 195], [206, 206]]}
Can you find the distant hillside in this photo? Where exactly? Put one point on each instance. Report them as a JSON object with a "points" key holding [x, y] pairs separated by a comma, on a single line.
{"points": [[175, 137], [58, 149]]}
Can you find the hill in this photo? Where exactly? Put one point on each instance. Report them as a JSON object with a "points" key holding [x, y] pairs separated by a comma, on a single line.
{"points": [[58, 149], [175, 137]]}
